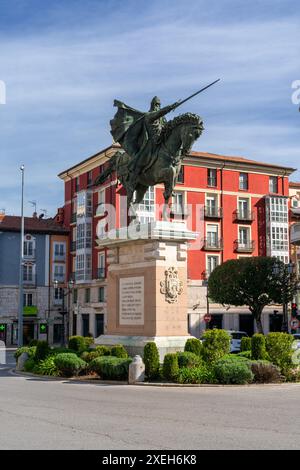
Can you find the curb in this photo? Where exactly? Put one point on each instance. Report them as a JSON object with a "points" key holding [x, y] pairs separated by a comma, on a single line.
{"points": [[67, 379], [144, 384]]}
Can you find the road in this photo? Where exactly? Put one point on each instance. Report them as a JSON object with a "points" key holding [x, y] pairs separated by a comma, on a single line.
{"points": [[40, 414]]}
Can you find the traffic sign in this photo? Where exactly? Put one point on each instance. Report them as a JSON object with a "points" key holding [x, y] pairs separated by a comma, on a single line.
{"points": [[295, 324], [207, 317]]}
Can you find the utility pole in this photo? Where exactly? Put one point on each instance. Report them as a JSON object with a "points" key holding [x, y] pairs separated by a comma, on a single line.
{"points": [[20, 316]]}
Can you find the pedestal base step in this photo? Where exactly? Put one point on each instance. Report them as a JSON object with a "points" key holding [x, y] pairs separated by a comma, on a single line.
{"points": [[135, 344]]}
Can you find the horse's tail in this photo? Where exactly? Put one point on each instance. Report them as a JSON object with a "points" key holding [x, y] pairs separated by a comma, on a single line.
{"points": [[109, 170]]}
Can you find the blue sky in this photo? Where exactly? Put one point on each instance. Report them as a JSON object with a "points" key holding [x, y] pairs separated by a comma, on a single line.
{"points": [[65, 61]]}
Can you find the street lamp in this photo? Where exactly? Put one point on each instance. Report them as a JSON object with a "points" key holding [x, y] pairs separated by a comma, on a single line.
{"points": [[277, 269], [20, 313], [64, 312]]}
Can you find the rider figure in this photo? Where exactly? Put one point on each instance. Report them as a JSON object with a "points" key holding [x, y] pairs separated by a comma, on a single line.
{"points": [[154, 122]]}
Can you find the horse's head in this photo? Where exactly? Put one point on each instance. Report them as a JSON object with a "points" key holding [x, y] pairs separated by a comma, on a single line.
{"points": [[191, 129], [185, 128]]}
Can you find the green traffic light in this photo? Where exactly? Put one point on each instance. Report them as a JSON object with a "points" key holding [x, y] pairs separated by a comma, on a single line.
{"points": [[2, 327]]}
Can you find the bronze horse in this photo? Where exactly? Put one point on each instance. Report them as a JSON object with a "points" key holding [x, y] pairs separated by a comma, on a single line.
{"points": [[175, 142]]}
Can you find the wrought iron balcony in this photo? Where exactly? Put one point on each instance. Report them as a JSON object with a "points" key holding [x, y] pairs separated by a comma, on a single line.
{"points": [[73, 218], [101, 273], [213, 244], [242, 246], [243, 216], [213, 212]]}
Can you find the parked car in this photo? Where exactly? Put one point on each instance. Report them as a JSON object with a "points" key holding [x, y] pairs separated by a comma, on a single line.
{"points": [[236, 337]]}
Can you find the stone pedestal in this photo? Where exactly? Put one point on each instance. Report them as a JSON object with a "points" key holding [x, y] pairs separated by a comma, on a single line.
{"points": [[147, 287]]}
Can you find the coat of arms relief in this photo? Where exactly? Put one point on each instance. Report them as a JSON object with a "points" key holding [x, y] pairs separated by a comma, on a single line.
{"points": [[172, 287]]}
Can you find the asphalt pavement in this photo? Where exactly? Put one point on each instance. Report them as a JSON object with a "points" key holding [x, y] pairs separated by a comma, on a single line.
{"points": [[40, 414]]}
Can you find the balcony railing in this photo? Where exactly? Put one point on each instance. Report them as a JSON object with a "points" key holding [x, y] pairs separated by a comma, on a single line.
{"points": [[73, 218], [242, 246], [295, 234], [243, 216], [29, 280], [59, 256], [213, 212], [213, 244], [101, 273], [212, 181], [59, 277], [29, 254]]}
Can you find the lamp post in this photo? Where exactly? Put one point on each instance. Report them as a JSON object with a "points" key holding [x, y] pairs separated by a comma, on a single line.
{"points": [[20, 313], [64, 312], [289, 270]]}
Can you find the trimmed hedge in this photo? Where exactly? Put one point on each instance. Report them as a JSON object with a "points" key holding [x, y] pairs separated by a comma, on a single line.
{"points": [[77, 343], [111, 368], [88, 341], [188, 359], [89, 356], [69, 364], [245, 343], [119, 351], [216, 343], [258, 347], [103, 350], [193, 345], [232, 372], [246, 354], [279, 349], [42, 351], [195, 375], [151, 360], [170, 366]]}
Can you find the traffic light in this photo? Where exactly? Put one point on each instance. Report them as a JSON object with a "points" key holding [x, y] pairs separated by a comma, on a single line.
{"points": [[2, 327], [294, 312], [43, 328]]}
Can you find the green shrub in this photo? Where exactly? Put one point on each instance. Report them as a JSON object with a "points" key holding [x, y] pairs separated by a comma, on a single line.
{"points": [[42, 351], [89, 356], [47, 367], [216, 343], [193, 345], [151, 361], [103, 350], [88, 341], [54, 351], [119, 351], [265, 372], [232, 372], [235, 358], [258, 347], [246, 354], [111, 368], [29, 350], [245, 343], [170, 366], [188, 359], [195, 375], [33, 342], [279, 349], [77, 343], [29, 364], [69, 364]]}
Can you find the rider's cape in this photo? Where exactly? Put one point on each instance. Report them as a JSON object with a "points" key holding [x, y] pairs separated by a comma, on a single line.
{"points": [[129, 129]]}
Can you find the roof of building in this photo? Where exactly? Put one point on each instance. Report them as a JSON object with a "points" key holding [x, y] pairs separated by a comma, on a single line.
{"points": [[206, 155], [12, 223], [294, 184], [247, 161]]}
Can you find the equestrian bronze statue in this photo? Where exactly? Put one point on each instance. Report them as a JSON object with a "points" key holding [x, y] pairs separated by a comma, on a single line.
{"points": [[152, 148]]}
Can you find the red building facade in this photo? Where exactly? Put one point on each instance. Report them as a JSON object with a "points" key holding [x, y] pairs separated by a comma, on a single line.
{"points": [[238, 207]]}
